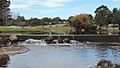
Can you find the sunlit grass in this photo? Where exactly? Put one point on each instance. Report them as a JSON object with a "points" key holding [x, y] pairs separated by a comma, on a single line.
{"points": [[60, 28], [34, 30], [20, 30], [109, 28]]}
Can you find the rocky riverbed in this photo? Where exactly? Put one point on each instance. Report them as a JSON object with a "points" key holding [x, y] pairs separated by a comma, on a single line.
{"points": [[13, 50]]}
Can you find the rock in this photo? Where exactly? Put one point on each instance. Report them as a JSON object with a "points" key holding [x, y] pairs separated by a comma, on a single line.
{"points": [[4, 59], [3, 41], [105, 64], [60, 40], [13, 37], [67, 40], [49, 40]]}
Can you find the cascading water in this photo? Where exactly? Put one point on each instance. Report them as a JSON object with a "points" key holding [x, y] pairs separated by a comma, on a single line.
{"points": [[43, 42]]}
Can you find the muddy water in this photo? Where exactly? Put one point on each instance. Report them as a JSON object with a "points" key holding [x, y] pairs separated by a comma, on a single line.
{"points": [[64, 57]]}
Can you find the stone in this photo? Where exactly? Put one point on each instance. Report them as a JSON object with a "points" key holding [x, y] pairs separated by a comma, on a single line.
{"points": [[13, 37], [67, 40], [49, 40], [3, 41], [105, 64], [4, 59], [60, 40]]}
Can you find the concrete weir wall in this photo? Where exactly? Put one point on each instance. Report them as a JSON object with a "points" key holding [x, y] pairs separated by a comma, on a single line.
{"points": [[81, 38]]}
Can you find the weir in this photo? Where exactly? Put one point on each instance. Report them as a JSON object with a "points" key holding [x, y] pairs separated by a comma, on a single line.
{"points": [[80, 38]]}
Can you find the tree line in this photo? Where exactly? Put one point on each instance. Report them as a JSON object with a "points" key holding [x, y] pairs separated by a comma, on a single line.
{"points": [[103, 17], [81, 23], [88, 23], [21, 21]]}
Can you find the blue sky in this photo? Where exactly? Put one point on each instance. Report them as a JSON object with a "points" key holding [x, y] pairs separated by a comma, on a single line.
{"points": [[58, 8]]}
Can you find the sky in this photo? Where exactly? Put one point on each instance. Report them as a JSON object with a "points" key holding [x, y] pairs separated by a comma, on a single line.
{"points": [[58, 8]]}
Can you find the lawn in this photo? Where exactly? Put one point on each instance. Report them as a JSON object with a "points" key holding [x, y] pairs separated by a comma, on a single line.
{"points": [[19, 30], [109, 28], [34, 30], [60, 29]]}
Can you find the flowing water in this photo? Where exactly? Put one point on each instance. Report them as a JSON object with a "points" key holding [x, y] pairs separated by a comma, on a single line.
{"points": [[64, 57]]}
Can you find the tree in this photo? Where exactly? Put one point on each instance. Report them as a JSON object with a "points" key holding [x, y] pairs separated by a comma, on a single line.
{"points": [[115, 10], [82, 21], [21, 18], [116, 17], [102, 14], [70, 21], [34, 22], [46, 20], [56, 20], [5, 11]]}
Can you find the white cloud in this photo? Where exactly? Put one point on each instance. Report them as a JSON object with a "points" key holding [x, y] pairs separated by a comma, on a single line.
{"points": [[54, 3], [20, 4]]}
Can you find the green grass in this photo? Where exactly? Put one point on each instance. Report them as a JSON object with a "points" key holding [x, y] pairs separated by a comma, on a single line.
{"points": [[34, 30], [59, 28], [109, 28], [20, 30]]}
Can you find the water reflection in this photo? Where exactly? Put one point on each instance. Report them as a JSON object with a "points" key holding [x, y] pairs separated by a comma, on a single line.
{"points": [[4, 60], [64, 57]]}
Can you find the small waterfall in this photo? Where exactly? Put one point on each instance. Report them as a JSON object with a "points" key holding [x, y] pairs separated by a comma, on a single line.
{"points": [[73, 37], [9, 43], [58, 36]]}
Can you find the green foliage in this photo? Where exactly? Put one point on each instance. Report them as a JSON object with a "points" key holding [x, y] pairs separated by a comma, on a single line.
{"points": [[56, 19], [116, 16], [102, 15], [46, 19]]}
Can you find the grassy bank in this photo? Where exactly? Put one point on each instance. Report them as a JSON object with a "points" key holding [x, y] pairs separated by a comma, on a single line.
{"points": [[61, 28], [20, 30], [109, 28], [34, 30]]}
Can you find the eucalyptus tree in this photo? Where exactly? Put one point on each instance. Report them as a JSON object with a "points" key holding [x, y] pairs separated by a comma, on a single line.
{"points": [[4, 11], [116, 17], [102, 15]]}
